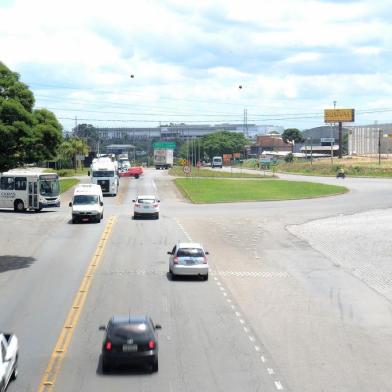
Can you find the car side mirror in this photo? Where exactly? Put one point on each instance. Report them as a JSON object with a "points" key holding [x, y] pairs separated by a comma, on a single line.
{"points": [[169, 253], [70, 204], [158, 201], [207, 253], [134, 201], [158, 326], [102, 328], [101, 203]]}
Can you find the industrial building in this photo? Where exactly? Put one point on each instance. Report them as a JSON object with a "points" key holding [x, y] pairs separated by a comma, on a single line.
{"points": [[370, 139]]}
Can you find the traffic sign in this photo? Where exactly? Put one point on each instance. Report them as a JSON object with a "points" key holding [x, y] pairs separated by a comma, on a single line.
{"points": [[164, 145], [186, 169]]}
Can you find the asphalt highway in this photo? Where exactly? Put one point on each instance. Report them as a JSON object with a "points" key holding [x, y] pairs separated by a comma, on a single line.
{"points": [[276, 314]]}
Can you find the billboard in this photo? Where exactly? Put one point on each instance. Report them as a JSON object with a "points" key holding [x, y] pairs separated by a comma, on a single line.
{"points": [[338, 115]]}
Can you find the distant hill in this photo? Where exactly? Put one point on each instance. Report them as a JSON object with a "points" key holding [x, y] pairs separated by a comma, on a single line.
{"points": [[323, 132]]}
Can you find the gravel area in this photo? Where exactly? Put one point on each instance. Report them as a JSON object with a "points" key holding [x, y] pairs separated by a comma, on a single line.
{"points": [[359, 243]]}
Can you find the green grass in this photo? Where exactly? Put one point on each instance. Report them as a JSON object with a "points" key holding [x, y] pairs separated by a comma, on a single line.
{"points": [[69, 172], [218, 191], [215, 173], [66, 183], [351, 168]]}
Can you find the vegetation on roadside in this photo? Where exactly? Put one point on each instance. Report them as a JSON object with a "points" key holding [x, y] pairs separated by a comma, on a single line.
{"points": [[325, 168], [222, 190], [205, 172], [27, 135], [80, 171], [66, 183]]}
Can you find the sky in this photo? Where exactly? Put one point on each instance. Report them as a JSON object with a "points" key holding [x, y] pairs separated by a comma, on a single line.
{"points": [[201, 61]]}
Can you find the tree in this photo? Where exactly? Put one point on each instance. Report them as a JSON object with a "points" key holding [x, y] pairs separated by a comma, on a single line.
{"points": [[292, 135], [72, 147], [223, 142], [89, 134], [26, 135]]}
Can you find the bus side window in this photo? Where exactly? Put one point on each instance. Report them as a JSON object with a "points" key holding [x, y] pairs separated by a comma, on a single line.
{"points": [[20, 183], [7, 183]]}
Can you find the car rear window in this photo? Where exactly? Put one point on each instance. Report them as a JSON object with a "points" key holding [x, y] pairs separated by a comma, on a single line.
{"points": [[130, 330], [190, 252], [146, 201]]}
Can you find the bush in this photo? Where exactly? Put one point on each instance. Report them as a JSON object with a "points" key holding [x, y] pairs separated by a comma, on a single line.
{"points": [[289, 158]]}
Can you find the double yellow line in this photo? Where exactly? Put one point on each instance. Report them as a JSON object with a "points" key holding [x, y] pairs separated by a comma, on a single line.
{"points": [[49, 377]]}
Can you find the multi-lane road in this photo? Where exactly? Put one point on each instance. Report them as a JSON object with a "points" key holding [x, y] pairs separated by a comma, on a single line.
{"points": [[293, 303]]}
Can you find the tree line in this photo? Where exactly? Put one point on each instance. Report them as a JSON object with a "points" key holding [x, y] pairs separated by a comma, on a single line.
{"points": [[29, 135]]}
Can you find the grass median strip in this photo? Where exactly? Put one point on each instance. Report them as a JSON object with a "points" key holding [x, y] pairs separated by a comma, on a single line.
{"points": [[220, 191], [215, 173], [66, 183]]}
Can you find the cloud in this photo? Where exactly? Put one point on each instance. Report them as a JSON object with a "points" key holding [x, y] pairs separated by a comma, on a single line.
{"points": [[191, 56]]}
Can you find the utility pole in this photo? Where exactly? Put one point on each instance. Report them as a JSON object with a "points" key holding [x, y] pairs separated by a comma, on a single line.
{"points": [[379, 146]]}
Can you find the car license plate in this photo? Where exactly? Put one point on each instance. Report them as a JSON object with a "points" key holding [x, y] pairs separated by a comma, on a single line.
{"points": [[85, 219], [189, 262], [129, 348]]}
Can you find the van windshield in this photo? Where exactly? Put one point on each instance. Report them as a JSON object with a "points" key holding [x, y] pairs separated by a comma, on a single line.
{"points": [[103, 173], [85, 199]]}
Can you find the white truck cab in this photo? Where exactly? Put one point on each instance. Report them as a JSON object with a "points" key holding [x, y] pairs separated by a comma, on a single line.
{"points": [[104, 172], [8, 359], [87, 203]]}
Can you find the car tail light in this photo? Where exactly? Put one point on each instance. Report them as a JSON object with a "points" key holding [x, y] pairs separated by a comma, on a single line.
{"points": [[137, 204], [205, 260], [175, 260], [151, 344], [108, 346], [155, 205]]}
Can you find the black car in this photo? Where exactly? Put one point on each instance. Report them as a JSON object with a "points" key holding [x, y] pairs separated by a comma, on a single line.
{"points": [[130, 340]]}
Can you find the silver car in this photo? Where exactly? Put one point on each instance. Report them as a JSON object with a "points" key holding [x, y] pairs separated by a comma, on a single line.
{"points": [[188, 259]]}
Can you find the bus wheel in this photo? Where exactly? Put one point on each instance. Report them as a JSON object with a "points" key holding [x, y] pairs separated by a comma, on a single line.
{"points": [[19, 206]]}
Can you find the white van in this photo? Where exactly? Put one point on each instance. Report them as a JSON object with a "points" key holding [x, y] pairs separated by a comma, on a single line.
{"points": [[216, 162], [87, 203]]}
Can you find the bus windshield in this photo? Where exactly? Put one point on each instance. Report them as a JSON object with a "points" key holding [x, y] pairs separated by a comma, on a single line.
{"points": [[103, 173], [49, 188], [85, 199]]}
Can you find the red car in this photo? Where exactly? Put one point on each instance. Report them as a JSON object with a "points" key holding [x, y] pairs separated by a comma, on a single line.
{"points": [[135, 171]]}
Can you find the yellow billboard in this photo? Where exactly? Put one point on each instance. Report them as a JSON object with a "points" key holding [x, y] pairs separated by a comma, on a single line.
{"points": [[338, 115]]}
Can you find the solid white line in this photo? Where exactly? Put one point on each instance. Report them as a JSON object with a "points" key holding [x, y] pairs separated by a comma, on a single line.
{"points": [[279, 386], [270, 371]]}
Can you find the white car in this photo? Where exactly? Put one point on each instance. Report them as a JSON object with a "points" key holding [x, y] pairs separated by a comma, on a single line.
{"points": [[146, 205], [188, 259], [8, 359]]}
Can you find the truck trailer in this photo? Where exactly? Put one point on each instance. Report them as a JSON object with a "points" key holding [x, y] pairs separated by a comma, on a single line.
{"points": [[163, 158]]}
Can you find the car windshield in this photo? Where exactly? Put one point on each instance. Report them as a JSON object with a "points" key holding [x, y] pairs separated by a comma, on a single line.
{"points": [[103, 173], [85, 199], [49, 188], [190, 252]]}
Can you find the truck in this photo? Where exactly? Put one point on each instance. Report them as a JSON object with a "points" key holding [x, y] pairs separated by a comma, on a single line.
{"points": [[104, 172], [163, 158], [8, 359]]}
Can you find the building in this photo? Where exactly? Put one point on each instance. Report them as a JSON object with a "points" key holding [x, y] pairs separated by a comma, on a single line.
{"points": [[181, 131], [370, 139], [270, 143]]}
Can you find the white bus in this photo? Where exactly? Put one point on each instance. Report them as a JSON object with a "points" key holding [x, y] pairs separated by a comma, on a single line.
{"points": [[23, 190], [104, 172]]}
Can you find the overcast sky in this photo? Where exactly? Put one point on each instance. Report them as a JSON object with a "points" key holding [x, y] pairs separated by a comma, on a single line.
{"points": [[293, 58]]}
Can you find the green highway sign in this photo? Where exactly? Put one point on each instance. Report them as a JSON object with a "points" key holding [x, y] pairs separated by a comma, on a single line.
{"points": [[164, 145]]}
